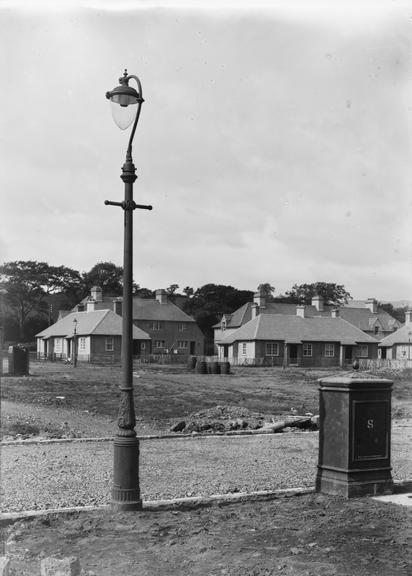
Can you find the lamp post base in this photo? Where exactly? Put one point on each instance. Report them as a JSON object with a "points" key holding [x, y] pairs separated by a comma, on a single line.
{"points": [[126, 490]]}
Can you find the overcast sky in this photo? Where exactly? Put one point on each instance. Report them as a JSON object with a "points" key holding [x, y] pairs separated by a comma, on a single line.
{"points": [[274, 142]]}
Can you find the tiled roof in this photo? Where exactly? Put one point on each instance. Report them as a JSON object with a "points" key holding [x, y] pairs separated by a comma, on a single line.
{"points": [[401, 336], [294, 329], [362, 318], [98, 322], [151, 309]]}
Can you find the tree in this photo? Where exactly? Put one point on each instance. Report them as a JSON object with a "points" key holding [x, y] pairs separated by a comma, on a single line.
{"points": [[27, 284], [398, 313], [172, 289], [107, 276], [188, 291], [211, 301], [267, 290], [334, 294], [142, 292]]}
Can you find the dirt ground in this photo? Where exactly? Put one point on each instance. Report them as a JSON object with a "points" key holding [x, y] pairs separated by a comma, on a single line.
{"points": [[57, 400], [306, 535], [311, 535]]}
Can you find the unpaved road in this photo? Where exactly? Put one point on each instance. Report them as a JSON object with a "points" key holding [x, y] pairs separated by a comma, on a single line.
{"points": [[40, 476]]}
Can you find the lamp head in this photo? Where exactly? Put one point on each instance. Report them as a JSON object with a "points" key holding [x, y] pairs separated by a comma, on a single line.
{"points": [[124, 101]]}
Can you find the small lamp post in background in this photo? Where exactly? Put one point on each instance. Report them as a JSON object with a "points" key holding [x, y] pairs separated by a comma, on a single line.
{"points": [[409, 346], [75, 342], [126, 105]]}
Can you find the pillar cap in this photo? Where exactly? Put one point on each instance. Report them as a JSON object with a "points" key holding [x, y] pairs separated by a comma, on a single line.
{"points": [[355, 380]]}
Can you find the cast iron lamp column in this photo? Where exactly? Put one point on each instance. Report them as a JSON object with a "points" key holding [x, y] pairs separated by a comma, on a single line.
{"points": [[126, 105], [75, 342]]}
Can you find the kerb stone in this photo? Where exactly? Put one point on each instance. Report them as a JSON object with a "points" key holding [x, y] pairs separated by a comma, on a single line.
{"points": [[69, 566]]}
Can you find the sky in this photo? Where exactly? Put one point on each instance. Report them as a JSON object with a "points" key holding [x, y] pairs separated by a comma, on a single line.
{"points": [[274, 142]]}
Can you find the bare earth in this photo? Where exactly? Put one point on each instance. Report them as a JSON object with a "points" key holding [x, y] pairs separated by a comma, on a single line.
{"points": [[304, 535], [312, 535]]}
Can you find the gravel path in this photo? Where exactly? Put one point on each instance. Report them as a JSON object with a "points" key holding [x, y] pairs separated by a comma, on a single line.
{"points": [[40, 476]]}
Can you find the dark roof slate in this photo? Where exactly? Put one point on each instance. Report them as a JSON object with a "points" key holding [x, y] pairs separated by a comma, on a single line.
{"points": [[293, 330], [98, 322]]}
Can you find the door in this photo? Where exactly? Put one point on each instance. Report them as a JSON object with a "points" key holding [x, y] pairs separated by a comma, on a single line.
{"points": [[293, 353], [348, 354], [192, 348]]}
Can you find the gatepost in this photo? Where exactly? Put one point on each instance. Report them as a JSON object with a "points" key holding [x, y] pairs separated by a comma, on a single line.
{"points": [[354, 436]]}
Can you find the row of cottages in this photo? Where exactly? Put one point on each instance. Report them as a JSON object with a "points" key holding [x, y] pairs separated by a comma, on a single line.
{"points": [[279, 333], [398, 346], [286, 340], [94, 326], [365, 315]]}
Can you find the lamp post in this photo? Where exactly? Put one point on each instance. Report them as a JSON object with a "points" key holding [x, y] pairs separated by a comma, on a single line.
{"points": [[75, 343], [126, 105]]}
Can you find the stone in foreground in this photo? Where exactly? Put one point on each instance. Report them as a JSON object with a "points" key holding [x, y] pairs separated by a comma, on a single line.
{"points": [[69, 566]]}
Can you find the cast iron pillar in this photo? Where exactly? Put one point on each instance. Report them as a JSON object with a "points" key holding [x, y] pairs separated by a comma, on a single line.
{"points": [[355, 436]]}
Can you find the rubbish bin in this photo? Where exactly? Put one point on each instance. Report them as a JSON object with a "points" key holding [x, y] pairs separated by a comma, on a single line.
{"points": [[18, 360], [355, 436]]}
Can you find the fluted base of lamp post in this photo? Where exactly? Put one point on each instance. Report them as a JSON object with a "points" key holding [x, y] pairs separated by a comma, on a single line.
{"points": [[126, 490]]}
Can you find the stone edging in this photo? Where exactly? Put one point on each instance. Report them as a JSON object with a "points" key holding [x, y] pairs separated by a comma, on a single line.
{"points": [[186, 503], [176, 436]]}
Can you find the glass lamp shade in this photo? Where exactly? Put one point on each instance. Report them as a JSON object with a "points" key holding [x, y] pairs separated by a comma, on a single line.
{"points": [[123, 114]]}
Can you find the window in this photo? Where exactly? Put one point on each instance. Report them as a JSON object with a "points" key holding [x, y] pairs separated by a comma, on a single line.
{"points": [[243, 348], [82, 344], [182, 344], [363, 351], [272, 349], [307, 350], [109, 344], [329, 350], [223, 325], [404, 351], [159, 344], [182, 327], [156, 325], [376, 329], [57, 344]]}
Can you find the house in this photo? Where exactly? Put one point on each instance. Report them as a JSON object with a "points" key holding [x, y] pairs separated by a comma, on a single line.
{"points": [[296, 340], [398, 346], [171, 330], [95, 334], [365, 315]]}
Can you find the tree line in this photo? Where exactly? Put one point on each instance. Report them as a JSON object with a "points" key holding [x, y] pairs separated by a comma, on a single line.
{"points": [[32, 293]]}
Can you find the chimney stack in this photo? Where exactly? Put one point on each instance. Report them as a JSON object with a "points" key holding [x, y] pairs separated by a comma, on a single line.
{"points": [[255, 310], [259, 298], [317, 302], [335, 313], [300, 310], [118, 306], [161, 296], [372, 304], [96, 294], [408, 316], [91, 305]]}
